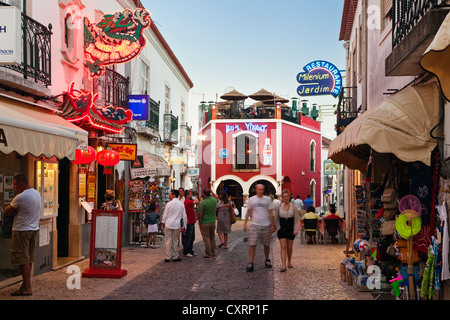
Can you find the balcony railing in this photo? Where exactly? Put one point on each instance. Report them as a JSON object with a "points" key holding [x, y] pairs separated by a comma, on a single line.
{"points": [[170, 129], [185, 136], [406, 14], [153, 123], [112, 89], [36, 51], [347, 110]]}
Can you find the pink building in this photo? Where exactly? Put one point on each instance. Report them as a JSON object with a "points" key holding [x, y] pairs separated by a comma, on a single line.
{"points": [[281, 154]]}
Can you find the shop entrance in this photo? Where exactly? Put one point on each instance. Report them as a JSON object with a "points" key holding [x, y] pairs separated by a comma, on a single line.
{"points": [[234, 189], [63, 212]]}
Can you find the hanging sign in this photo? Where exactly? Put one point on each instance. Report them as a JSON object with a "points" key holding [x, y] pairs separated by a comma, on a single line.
{"points": [[330, 168], [127, 152], [139, 104], [10, 36], [320, 78], [117, 38]]}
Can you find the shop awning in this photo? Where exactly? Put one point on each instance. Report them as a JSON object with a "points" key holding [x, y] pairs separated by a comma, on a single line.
{"points": [[436, 58], [153, 166], [400, 125], [25, 128]]}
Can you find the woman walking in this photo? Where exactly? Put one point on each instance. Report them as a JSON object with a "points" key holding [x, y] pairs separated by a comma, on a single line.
{"points": [[223, 219], [287, 222]]}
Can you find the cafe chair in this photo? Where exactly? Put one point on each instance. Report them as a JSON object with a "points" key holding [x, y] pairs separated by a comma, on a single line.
{"points": [[331, 224], [310, 224]]}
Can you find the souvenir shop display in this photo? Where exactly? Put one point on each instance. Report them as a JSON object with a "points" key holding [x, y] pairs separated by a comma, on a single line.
{"points": [[399, 227]]}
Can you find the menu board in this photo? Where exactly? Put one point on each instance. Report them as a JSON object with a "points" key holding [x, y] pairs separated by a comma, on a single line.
{"points": [[47, 185], [106, 245]]}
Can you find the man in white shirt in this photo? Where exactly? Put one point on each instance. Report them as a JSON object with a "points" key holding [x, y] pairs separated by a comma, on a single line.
{"points": [[299, 203], [181, 196], [171, 224], [26, 209], [260, 208]]}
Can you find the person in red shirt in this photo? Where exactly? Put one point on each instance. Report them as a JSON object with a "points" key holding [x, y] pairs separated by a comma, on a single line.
{"points": [[333, 215], [188, 237]]}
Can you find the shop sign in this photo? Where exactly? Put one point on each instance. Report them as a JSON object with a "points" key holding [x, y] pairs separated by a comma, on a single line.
{"points": [[10, 36], [320, 78], [117, 38], [176, 160], [330, 168], [247, 126], [193, 171], [139, 104], [127, 152], [3, 138]]}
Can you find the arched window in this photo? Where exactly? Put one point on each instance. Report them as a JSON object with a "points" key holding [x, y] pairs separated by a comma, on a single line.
{"points": [[246, 147], [312, 157]]}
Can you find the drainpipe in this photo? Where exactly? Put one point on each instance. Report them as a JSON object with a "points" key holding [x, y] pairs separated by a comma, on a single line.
{"points": [[364, 46]]}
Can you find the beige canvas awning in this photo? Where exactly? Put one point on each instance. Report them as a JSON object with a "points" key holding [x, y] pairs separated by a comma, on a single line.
{"points": [[28, 129], [436, 58], [154, 166], [400, 125]]}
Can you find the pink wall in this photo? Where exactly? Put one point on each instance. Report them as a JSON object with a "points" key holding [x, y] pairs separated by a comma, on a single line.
{"points": [[296, 159]]}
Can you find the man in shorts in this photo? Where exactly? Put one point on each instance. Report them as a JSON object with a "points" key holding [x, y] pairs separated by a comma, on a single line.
{"points": [[260, 208], [26, 209]]}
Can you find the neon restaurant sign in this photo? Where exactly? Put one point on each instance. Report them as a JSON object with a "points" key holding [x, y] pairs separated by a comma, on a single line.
{"points": [[117, 38], [320, 78], [79, 108]]}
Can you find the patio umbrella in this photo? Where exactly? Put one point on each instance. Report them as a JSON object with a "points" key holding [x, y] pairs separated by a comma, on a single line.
{"points": [[234, 96], [262, 95]]}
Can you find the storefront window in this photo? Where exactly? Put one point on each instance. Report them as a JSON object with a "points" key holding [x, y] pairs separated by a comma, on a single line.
{"points": [[47, 185]]}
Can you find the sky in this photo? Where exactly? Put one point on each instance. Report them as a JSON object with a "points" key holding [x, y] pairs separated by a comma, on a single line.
{"points": [[249, 44]]}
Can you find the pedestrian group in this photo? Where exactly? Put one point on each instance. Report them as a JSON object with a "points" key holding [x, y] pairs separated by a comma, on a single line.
{"points": [[216, 214]]}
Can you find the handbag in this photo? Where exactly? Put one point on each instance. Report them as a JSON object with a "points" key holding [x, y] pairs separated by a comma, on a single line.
{"points": [[232, 215], [389, 197], [389, 214], [388, 228]]}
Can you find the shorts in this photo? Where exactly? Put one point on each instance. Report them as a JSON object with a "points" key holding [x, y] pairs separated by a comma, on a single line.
{"points": [[23, 247], [259, 235]]}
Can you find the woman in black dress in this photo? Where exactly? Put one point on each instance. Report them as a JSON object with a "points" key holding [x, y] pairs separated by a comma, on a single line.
{"points": [[287, 221]]}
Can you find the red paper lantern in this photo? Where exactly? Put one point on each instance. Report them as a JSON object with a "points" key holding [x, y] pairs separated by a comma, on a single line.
{"points": [[84, 156], [108, 158]]}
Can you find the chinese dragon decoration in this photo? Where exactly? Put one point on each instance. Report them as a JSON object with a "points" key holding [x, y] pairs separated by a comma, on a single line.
{"points": [[117, 38], [79, 107]]}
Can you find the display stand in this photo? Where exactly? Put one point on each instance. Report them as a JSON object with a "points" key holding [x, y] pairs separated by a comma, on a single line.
{"points": [[106, 246]]}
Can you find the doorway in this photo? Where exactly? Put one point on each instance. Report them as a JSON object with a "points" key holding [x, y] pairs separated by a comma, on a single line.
{"points": [[234, 189], [62, 222]]}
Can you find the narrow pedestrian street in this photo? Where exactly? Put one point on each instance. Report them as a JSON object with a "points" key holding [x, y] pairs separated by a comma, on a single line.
{"points": [[315, 276]]}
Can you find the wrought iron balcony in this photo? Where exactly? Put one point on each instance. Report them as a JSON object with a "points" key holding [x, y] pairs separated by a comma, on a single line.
{"points": [[347, 110], [414, 26], [170, 129], [112, 89], [185, 136], [36, 51], [405, 16], [150, 128]]}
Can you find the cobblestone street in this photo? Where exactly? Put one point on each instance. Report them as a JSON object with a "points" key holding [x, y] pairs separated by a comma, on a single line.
{"points": [[315, 276]]}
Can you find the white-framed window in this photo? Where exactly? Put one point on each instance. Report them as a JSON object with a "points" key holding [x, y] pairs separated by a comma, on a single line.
{"points": [[145, 77], [246, 151], [167, 99], [183, 113]]}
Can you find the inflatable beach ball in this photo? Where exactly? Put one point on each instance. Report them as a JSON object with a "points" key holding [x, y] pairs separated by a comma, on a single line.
{"points": [[364, 246], [356, 245]]}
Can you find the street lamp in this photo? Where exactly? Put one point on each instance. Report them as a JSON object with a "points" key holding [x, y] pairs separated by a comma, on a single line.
{"points": [[173, 182]]}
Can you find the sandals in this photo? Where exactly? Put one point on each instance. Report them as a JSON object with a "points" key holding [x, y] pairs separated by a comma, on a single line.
{"points": [[20, 293]]}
